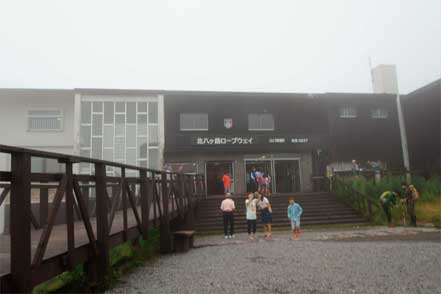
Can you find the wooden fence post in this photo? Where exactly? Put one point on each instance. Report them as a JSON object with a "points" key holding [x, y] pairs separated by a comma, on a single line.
{"points": [[102, 227], [44, 205], [70, 213], [144, 204], [20, 227], [165, 234], [124, 202]]}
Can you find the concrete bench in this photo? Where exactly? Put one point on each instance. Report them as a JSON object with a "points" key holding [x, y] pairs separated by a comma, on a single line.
{"points": [[183, 240]]}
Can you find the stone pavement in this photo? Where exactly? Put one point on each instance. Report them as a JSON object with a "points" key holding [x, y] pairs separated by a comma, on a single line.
{"points": [[363, 260]]}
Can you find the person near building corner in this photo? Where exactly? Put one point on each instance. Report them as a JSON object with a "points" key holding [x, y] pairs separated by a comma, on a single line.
{"points": [[265, 207], [389, 199], [227, 182], [227, 207], [251, 207], [294, 213]]}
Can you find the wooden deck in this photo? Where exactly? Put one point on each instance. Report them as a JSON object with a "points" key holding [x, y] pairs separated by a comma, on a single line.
{"points": [[58, 240]]}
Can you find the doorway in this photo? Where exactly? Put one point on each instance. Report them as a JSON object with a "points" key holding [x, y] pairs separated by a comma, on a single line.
{"points": [[287, 175], [263, 166], [214, 171]]}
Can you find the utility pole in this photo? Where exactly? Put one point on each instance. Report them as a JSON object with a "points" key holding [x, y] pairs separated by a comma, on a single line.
{"points": [[403, 136]]}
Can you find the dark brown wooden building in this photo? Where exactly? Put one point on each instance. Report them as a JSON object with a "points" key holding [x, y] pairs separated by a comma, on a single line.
{"points": [[421, 110], [288, 136]]}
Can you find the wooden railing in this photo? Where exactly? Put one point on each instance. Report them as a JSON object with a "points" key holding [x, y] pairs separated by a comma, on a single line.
{"points": [[153, 197], [359, 201]]}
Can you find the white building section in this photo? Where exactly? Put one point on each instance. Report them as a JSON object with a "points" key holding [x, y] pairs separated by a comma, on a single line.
{"points": [[126, 126], [122, 128], [384, 79]]}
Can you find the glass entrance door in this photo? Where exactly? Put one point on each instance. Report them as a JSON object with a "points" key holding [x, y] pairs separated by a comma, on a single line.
{"points": [[263, 166], [287, 175], [214, 171]]}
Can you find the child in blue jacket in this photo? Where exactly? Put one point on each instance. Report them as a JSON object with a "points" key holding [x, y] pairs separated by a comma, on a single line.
{"points": [[294, 213]]}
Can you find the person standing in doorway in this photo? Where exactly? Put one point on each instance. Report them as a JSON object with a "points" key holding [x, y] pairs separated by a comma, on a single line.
{"points": [[251, 207], [267, 184], [260, 182], [227, 183], [267, 218], [227, 207]]}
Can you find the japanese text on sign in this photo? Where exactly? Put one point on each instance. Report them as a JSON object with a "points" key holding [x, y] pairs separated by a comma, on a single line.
{"points": [[224, 140]]}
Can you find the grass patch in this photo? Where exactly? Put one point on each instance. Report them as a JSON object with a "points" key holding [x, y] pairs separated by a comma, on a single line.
{"points": [[429, 212], [123, 259], [428, 207]]}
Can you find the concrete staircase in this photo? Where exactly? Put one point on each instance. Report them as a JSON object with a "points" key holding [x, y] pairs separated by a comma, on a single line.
{"points": [[319, 208]]}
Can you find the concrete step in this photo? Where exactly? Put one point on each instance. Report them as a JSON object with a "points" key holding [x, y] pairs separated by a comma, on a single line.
{"points": [[243, 228], [318, 209], [218, 214]]}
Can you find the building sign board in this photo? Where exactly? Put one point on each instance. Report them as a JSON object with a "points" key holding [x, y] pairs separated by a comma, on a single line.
{"points": [[226, 140]]}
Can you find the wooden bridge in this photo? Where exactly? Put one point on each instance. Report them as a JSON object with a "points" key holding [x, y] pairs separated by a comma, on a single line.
{"points": [[88, 215]]}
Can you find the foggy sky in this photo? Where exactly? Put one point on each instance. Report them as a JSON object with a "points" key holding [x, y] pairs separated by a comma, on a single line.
{"points": [[277, 46]]}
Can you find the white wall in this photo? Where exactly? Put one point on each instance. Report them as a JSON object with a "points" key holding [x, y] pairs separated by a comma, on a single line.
{"points": [[14, 106]]}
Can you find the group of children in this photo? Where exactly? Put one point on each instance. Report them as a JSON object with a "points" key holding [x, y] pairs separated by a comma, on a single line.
{"points": [[260, 181], [254, 202]]}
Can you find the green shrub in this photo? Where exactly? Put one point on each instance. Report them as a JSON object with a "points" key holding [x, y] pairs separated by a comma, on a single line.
{"points": [[123, 258], [429, 190]]}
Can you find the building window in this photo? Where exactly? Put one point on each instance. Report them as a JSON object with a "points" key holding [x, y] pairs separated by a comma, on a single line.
{"points": [[193, 122], [260, 122], [121, 131], [379, 113], [348, 112], [45, 120]]}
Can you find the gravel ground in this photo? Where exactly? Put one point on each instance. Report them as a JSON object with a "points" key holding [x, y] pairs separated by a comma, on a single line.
{"points": [[373, 261]]}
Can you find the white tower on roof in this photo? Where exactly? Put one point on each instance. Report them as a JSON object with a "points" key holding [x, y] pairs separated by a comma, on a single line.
{"points": [[384, 79]]}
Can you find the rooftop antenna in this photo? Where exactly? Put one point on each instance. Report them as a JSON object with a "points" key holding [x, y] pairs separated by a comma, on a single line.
{"points": [[370, 71]]}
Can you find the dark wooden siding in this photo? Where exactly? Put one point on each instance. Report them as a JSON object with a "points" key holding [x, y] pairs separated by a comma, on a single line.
{"points": [[422, 115]]}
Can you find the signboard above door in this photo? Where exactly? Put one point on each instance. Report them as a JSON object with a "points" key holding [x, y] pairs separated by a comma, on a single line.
{"points": [[223, 140]]}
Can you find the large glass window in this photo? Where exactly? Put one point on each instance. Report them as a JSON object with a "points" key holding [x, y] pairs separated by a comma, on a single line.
{"points": [[348, 112], [260, 122], [97, 124], [153, 112], [193, 121], [86, 112], [85, 136], [121, 131], [108, 112], [45, 120], [131, 112]]}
